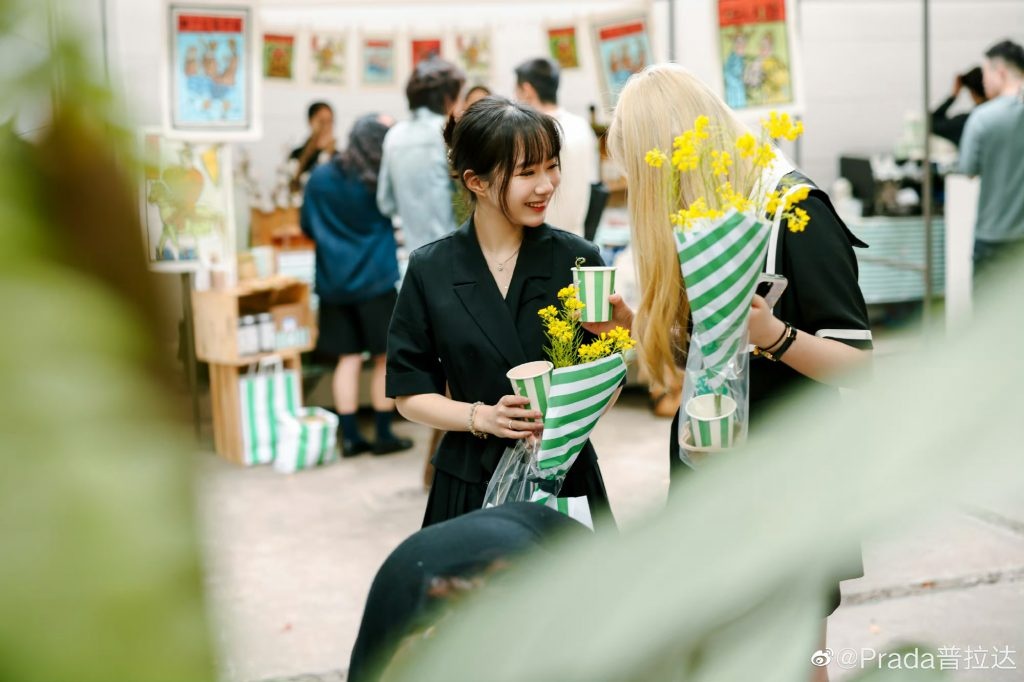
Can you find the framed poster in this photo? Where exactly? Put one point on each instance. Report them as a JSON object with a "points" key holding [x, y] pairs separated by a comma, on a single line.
{"points": [[623, 48], [328, 57], [562, 45], [278, 56], [473, 56], [425, 48], [378, 61], [756, 47], [211, 88], [187, 204]]}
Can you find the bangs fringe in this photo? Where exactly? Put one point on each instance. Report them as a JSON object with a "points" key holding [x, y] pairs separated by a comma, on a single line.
{"points": [[537, 143]]}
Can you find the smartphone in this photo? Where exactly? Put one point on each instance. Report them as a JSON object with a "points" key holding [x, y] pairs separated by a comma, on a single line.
{"points": [[770, 288]]}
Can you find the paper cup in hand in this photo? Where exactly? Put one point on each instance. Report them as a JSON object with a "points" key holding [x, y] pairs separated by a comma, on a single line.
{"points": [[711, 424], [595, 286], [532, 380]]}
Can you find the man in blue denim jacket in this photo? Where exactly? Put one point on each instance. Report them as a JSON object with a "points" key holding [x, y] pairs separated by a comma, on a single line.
{"points": [[415, 183]]}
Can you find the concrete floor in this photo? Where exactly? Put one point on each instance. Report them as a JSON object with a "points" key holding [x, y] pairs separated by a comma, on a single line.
{"points": [[291, 558]]}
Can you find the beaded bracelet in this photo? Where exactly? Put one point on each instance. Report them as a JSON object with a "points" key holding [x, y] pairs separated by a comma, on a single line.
{"points": [[472, 417]]}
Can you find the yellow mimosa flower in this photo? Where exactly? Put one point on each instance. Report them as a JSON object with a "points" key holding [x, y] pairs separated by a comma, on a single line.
{"points": [[797, 221], [765, 155], [795, 131], [720, 162], [700, 127], [746, 145], [655, 158], [796, 196]]}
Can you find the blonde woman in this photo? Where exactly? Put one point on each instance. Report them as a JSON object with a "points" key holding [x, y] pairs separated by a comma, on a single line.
{"points": [[822, 309]]}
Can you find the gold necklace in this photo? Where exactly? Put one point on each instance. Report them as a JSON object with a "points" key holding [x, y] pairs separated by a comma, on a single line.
{"points": [[500, 266]]}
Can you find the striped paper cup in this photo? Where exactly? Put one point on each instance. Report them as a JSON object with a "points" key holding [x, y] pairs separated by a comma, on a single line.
{"points": [[712, 426], [532, 380], [595, 286]]}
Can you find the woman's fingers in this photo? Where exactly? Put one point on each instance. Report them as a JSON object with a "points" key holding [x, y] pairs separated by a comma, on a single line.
{"points": [[519, 430], [622, 316], [515, 407]]}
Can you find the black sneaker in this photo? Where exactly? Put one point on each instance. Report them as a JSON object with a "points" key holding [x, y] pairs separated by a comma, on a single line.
{"points": [[386, 447], [351, 449]]}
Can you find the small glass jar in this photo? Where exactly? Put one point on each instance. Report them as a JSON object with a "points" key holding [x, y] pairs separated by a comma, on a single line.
{"points": [[266, 332], [248, 336]]}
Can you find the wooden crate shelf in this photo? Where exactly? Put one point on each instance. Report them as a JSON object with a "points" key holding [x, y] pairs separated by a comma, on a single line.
{"points": [[217, 313]]}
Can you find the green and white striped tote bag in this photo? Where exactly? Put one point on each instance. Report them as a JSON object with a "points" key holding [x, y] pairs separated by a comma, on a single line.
{"points": [[305, 440], [264, 396]]}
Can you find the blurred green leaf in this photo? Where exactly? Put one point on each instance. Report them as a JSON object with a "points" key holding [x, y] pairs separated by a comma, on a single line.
{"points": [[100, 575], [729, 583]]}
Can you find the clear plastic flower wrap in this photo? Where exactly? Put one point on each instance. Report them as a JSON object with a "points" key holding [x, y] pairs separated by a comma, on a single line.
{"points": [[517, 478], [715, 405]]}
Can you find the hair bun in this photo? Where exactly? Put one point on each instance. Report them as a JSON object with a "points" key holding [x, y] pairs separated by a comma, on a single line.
{"points": [[449, 129]]}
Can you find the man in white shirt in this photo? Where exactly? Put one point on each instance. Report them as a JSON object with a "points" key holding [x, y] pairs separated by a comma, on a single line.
{"points": [[537, 85]]}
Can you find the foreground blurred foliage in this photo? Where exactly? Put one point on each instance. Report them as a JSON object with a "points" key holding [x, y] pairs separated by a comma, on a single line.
{"points": [[729, 583], [99, 576]]}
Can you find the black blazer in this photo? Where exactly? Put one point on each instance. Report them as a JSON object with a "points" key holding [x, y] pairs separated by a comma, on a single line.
{"points": [[451, 326]]}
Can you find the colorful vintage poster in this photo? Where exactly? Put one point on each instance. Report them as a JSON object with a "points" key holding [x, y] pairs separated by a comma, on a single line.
{"points": [[187, 205], [425, 48], [623, 48], [754, 45], [562, 43], [378, 61], [210, 87], [473, 55], [328, 57], [278, 56]]}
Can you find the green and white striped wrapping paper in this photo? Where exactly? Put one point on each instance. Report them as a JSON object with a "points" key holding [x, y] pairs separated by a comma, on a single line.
{"points": [[305, 443], [720, 267], [535, 387], [595, 285], [578, 397], [574, 507], [263, 397]]}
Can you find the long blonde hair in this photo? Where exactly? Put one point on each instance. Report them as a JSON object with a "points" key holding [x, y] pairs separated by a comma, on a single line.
{"points": [[655, 106]]}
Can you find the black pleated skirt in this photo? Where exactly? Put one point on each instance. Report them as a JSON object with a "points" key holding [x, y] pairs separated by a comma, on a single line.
{"points": [[450, 496]]}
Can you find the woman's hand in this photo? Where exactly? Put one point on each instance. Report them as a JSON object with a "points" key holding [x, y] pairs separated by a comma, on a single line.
{"points": [[507, 418], [622, 316], [765, 328]]}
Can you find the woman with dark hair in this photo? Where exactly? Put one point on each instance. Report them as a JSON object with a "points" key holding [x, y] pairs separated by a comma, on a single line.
{"points": [[356, 272], [952, 127], [318, 147], [467, 311]]}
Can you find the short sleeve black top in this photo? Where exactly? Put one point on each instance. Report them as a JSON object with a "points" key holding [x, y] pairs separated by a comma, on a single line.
{"points": [[452, 327], [823, 296]]}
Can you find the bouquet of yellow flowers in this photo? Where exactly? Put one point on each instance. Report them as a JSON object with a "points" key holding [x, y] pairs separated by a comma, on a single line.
{"points": [[705, 152], [724, 193], [572, 391], [565, 339]]}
